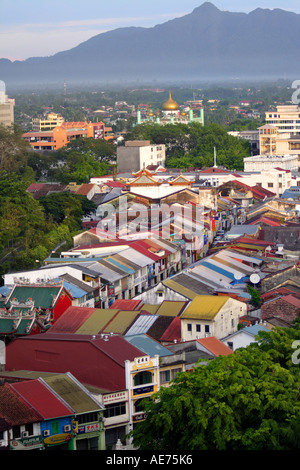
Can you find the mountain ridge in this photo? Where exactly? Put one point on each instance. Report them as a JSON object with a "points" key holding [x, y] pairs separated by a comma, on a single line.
{"points": [[206, 43]]}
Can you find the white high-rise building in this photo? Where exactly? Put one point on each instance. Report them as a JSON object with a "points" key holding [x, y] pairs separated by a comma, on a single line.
{"points": [[286, 118], [6, 107], [136, 155]]}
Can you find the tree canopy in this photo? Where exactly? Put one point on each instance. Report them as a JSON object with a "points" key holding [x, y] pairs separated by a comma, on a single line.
{"points": [[248, 400], [80, 160], [14, 151], [192, 145]]}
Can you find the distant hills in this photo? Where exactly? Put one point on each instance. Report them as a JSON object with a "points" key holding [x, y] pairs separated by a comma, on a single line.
{"points": [[205, 44]]}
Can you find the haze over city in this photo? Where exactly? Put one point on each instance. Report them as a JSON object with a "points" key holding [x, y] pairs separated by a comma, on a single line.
{"points": [[33, 28]]}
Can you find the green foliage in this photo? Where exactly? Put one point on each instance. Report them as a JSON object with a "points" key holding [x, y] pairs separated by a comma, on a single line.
{"points": [[98, 148], [248, 400], [14, 151], [30, 229], [82, 160], [67, 207], [255, 295], [192, 145]]}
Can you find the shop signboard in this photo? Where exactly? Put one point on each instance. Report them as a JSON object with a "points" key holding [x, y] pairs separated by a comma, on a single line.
{"points": [[31, 443], [58, 439]]}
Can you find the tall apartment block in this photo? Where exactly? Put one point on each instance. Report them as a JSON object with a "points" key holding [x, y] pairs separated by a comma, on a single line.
{"points": [[281, 133], [7, 106]]}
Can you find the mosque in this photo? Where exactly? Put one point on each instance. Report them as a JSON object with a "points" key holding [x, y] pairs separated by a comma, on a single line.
{"points": [[171, 114]]}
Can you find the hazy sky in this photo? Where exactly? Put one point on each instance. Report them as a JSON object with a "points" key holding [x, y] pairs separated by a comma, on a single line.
{"points": [[31, 28]]}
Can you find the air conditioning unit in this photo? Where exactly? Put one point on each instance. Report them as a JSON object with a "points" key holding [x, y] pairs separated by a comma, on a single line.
{"points": [[67, 428], [25, 434], [46, 433]]}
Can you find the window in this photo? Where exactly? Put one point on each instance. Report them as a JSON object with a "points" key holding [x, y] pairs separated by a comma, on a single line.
{"points": [[232, 322], [115, 409], [198, 328], [270, 185], [29, 428], [16, 432], [206, 328], [165, 376], [55, 427], [189, 327], [88, 418], [175, 372], [139, 405], [142, 378]]}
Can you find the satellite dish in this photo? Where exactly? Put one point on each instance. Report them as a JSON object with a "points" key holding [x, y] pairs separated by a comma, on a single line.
{"points": [[254, 278], [238, 276]]}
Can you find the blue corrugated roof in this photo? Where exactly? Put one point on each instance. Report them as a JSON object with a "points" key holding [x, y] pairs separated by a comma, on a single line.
{"points": [[218, 269], [76, 292], [120, 265], [148, 345], [4, 290], [254, 329]]}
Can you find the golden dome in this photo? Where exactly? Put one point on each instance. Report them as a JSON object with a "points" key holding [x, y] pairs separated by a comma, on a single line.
{"points": [[170, 105]]}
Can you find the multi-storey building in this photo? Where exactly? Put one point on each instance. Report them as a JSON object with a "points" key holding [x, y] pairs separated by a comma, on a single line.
{"points": [[61, 135], [269, 162], [281, 133], [51, 121], [286, 118], [6, 107], [135, 155]]}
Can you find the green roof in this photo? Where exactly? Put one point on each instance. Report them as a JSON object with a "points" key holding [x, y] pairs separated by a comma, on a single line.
{"points": [[97, 321], [121, 322], [171, 284], [171, 308], [150, 308], [42, 296], [72, 393]]}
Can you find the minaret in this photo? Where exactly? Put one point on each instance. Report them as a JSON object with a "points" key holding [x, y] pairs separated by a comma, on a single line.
{"points": [[215, 158]]}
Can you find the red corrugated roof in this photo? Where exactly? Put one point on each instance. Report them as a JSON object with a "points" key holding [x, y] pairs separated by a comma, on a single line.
{"points": [[35, 186], [173, 332], [267, 220], [41, 398], [127, 304], [252, 241], [255, 190], [215, 346], [291, 299], [72, 319], [92, 359], [282, 169], [144, 250], [276, 292], [101, 233], [85, 189], [115, 184], [265, 191], [213, 170], [15, 410]]}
